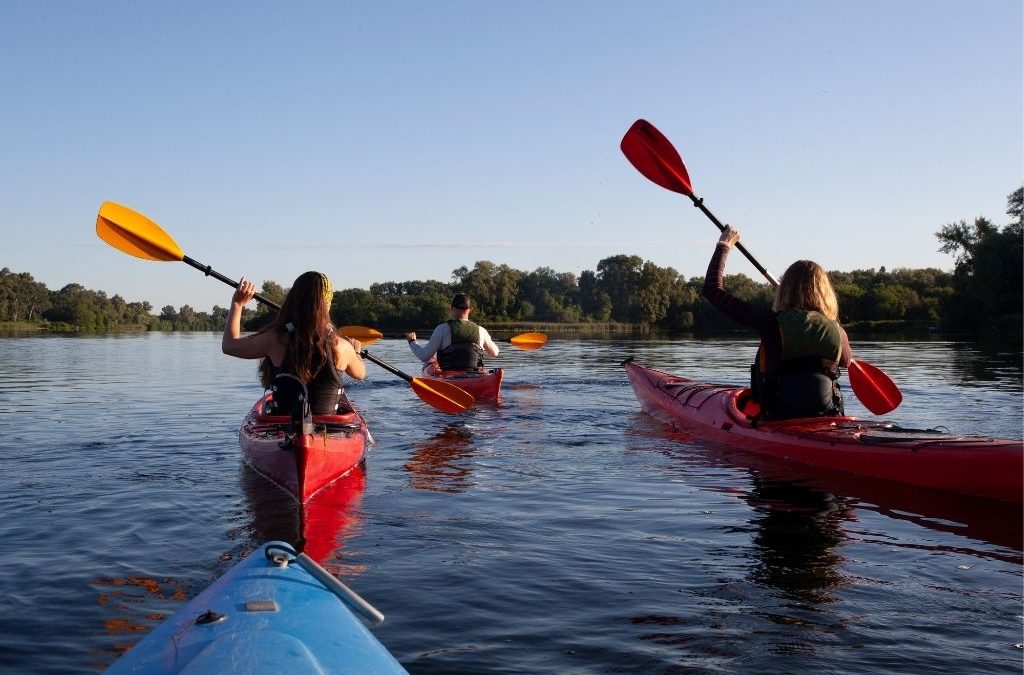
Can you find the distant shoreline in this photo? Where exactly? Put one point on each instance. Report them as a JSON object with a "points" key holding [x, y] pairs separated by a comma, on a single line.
{"points": [[861, 329]]}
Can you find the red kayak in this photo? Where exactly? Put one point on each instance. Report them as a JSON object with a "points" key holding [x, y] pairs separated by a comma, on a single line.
{"points": [[302, 463], [484, 385], [973, 465]]}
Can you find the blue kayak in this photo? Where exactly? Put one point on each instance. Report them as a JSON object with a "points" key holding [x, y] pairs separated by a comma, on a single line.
{"points": [[276, 611]]}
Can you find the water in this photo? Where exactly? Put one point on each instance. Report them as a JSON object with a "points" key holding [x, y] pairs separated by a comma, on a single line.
{"points": [[562, 531]]}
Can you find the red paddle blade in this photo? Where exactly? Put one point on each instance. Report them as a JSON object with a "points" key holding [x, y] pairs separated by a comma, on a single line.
{"points": [[653, 155], [874, 388]]}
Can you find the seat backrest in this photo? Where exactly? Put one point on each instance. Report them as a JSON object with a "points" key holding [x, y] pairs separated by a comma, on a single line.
{"points": [[290, 397]]}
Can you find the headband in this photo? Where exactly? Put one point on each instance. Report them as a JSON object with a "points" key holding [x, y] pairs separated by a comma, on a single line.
{"points": [[328, 289]]}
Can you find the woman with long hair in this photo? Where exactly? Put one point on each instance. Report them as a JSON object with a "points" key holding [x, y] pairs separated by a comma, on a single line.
{"points": [[301, 341], [802, 346]]}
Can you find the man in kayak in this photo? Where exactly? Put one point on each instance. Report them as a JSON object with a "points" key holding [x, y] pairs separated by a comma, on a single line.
{"points": [[301, 342], [458, 343], [802, 346]]}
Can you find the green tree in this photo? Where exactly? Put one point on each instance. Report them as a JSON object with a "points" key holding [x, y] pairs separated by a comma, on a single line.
{"points": [[988, 269], [619, 277]]}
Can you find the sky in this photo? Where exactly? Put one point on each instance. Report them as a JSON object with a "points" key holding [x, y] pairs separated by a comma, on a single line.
{"points": [[397, 141]]}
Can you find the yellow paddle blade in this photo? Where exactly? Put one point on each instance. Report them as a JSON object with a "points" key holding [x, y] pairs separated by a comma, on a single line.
{"points": [[365, 335], [530, 341], [442, 395], [135, 234]]}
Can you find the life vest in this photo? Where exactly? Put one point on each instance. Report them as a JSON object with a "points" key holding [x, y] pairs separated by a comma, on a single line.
{"points": [[324, 390], [804, 383], [464, 352]]}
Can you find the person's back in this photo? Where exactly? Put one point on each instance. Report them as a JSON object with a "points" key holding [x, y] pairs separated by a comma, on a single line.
{"points": [[458, 344], [464, 352], [802, 345], [802, 381], [300, 342]]}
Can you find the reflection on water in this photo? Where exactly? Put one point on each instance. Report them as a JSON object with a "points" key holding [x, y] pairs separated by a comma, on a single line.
{"points": [[798, 532], [318, 527], [120, 599], [981, 364], [788, 493], [439, 463]]}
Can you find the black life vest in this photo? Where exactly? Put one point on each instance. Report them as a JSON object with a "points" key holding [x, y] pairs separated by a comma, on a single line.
{"points": [[464, 352], [324, 390], [805, 381]]}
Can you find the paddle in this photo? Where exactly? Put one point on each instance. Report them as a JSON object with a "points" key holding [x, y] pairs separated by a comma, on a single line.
{"points": [[527, 341], [442, 395], [133, 233], [873, 387], [365, 335], [655, 157]]}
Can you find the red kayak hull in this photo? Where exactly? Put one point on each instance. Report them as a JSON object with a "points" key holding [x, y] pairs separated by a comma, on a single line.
{"points": [[973, 465], [303, 464], [484, 385]]}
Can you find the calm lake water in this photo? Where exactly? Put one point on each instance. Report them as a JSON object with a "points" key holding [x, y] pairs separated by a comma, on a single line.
{"points": [[562, 531]]}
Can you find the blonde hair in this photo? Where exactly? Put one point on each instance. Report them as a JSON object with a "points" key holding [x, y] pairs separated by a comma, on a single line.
{"points": [[805, 285]]}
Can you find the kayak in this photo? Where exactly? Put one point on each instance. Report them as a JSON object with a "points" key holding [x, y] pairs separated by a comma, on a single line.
{"points": [[302, 463], [274, 612], [930, 458], [484, 385]]}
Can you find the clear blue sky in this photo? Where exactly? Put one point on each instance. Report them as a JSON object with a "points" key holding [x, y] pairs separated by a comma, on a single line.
{"points": [[394, 141]]}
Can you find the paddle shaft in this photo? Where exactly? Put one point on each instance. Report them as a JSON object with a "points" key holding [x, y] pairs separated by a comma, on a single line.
{"points": [[386, 366], [210, 272], [699, 203]]}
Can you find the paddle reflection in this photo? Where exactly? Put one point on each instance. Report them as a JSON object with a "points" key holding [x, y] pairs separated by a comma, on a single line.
{"points": [[438, 464], [322, 522]]}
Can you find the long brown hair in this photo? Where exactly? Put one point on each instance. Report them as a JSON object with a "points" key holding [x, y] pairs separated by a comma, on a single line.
{"points": [[805, 285], [305, 318]]}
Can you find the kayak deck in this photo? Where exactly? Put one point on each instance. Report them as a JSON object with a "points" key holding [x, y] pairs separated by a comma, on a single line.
{"points": [[264, 615], [302, 464]]}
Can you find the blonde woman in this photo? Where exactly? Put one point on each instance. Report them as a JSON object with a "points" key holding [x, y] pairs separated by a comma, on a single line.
{"points": [[301, 342], [802, 346]]}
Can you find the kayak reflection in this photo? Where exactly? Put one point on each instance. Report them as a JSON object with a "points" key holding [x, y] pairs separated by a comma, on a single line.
{"points": [[975, 518], [439, 464], [322, 522]]}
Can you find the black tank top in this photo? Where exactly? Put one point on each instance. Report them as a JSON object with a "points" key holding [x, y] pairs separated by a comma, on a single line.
{"points": [[324, 389]]}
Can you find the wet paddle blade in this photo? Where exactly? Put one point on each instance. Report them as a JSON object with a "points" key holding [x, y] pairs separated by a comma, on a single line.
{"points": [[135, 234], [655, 157], [365, 335], [874, 388], [442, 395], [529, 341]]}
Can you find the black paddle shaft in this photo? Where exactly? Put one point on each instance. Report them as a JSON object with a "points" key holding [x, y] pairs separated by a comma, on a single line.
{"points": [[386, 366], [699, 203], [210, 272]]}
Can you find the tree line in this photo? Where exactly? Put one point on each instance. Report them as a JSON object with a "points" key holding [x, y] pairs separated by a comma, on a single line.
{"points": [[982, 292]]}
